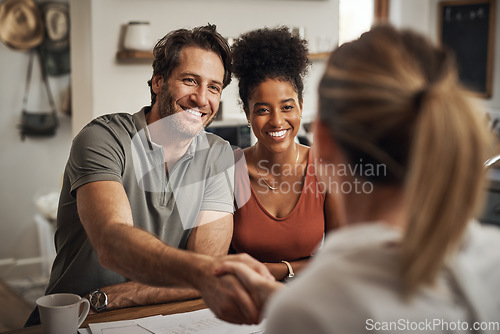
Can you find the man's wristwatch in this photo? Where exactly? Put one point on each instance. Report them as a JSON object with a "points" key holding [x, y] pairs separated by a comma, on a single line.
{"points": [[291, 274], [98, 300]]}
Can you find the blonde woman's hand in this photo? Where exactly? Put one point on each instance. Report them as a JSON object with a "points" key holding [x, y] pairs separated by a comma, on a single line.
{"points": [[255, 277], [225, 294]]}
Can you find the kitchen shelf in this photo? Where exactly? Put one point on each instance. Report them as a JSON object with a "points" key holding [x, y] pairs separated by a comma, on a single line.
{"points": [[148, 56], [134, 55], [319, 56]]}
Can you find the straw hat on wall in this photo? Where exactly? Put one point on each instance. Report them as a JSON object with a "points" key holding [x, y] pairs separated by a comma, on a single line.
{"points": [[21, 25], [55, 17], [54, 49]]}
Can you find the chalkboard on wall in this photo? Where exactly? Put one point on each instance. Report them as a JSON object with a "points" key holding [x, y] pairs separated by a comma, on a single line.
{"points": [[467, 28]]}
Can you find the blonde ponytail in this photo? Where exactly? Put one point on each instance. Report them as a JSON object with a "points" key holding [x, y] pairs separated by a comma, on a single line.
{"points": [[445, 180]]}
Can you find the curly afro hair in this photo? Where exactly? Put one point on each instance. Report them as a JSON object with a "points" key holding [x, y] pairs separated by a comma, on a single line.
{"points": [[269, 54]]}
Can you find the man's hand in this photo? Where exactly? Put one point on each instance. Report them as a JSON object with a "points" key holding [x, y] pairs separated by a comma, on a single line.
{"points": [[251, 263], [228, 299], [226, 296], [258, 283]]}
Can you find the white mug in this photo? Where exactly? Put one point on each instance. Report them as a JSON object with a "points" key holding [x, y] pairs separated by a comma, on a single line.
{"points": [[59, 312]]}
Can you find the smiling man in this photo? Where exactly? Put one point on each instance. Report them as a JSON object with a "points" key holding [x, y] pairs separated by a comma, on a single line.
{"points": [[147, 198]]}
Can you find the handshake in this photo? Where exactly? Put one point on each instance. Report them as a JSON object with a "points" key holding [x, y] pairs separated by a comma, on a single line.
{"points": [[239, 288]]}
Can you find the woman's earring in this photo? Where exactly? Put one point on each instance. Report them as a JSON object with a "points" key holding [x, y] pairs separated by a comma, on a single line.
{"points": [[249, 125], [300, 116]]}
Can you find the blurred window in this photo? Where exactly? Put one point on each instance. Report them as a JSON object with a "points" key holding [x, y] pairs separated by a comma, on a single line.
{"points": [[357, 16]]}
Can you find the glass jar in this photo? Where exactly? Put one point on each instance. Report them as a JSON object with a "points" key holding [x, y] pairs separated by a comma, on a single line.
{"points": [[138, 36]]}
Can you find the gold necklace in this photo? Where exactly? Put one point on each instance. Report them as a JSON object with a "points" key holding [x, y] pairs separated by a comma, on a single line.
{"points": [[264, 180]]}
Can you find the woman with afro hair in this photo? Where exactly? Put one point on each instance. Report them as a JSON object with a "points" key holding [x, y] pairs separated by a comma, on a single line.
{"points": [[283, 211]]}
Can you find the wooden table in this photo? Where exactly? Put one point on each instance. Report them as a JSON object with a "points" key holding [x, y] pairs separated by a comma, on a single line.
{"points": [[13, 309], [129, 313]]}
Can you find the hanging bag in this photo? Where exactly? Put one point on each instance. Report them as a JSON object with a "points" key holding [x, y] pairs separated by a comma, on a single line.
{"points": [[38, 124]]}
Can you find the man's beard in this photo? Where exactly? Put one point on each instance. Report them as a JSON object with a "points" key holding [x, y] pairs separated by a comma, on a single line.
{"points": [[176, 122]]}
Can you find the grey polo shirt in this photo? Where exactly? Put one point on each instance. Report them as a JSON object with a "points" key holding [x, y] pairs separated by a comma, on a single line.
{"points": [[117, 147]]}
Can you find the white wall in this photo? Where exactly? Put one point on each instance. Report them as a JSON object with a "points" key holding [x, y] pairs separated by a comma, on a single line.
{"points": [[30, 167], [422, 16], [104, 86]]}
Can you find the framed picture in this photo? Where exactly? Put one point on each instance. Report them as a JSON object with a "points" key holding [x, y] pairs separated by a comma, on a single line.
{"points": [[467, 28]]}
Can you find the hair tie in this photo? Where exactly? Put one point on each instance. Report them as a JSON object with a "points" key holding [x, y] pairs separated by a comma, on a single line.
{"points": [[419, 97]]}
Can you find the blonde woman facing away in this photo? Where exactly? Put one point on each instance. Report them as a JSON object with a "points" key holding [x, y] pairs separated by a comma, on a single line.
{"points": [[411, 259]]}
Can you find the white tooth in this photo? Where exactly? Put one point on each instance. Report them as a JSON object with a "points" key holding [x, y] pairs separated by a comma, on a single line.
{"points": [[194, 112], [277, 133]]}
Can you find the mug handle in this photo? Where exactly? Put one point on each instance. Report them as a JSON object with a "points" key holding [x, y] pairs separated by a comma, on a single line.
{"points": [[85, 312]]}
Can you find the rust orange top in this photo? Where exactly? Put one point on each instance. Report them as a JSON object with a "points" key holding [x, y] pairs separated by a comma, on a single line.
{"points": [[271, 239]]}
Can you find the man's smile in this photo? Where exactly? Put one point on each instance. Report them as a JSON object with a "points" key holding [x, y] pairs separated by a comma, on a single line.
{"points": [[194, 111]]}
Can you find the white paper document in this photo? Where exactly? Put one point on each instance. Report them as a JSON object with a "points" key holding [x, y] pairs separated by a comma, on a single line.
{"points": [[117, 327], [84, 331], [202, 321]]}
